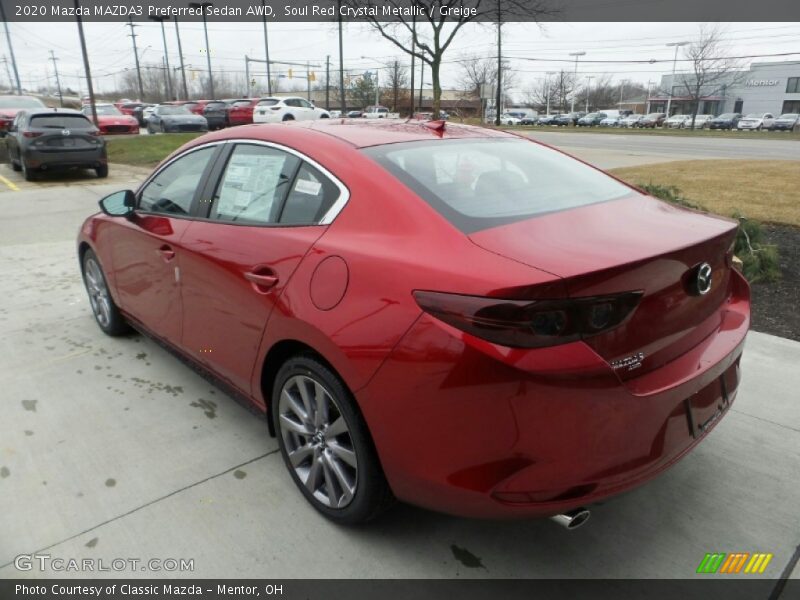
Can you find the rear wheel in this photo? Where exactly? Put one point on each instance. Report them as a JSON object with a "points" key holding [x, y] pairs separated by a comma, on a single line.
{"points": [[102, 171], [325, 443], [28, 174], [105, 310], [15, 165], [288, 118]]}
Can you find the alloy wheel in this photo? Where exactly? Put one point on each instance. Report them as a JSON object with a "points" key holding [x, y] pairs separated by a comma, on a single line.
{"points": [[98, 292], [317, 441]]}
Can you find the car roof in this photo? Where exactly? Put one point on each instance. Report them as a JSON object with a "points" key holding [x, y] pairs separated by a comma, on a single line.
{"points": [[364, 133]]}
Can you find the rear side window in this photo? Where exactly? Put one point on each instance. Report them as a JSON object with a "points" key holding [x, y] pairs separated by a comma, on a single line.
{"points": [[311, 197], [60, 121], [477, 184]]}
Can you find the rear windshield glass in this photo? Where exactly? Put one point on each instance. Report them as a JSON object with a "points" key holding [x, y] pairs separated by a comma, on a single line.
{"points": [[477, 184], [56, 121], [270, 102]]}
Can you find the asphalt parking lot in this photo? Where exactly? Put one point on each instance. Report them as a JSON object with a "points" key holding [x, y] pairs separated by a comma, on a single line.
{"points": [[113, 448]]}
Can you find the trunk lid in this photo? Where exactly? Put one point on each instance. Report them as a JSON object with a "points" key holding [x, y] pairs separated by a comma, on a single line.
{"points": [[635, 243]]}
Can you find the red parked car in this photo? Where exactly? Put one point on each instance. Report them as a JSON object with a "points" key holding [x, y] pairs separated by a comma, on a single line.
{"points": [[240, 112], [453, 316], [111, 120], [11, 105]]}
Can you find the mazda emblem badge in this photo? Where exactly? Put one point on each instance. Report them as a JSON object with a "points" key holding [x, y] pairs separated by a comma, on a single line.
{"points": [[703, 278]]}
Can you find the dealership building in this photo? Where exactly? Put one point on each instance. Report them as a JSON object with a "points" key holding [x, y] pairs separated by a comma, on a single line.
{"points": [[769, 87]]}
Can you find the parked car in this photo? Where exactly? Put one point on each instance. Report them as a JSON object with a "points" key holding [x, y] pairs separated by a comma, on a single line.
{"points": [[509, 119], [725, 121], [529, 120], [786, 122], [290, 108], [47, 139], [591, 119], [610, 121], [240, 112], [630, 120], [140, 113], [547, 119], [335, 114], [756, 122], [700, 121], [674, 122], [578, 367], [128, 108], [379, 112], [11, 105], [111, 120], [356, 114], [216, 114], [567, 119], [171, 118], [651, 120]]}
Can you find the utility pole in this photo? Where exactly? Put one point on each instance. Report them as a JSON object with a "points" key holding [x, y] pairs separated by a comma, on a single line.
{"points": [[246, 76], [180, 55], [10, 49], [136, 58], [86, 68], [342, 94], [575, 78], [308, 81], [202, 6], [421, 80], [499, 82], [413, 49], [588, 88], [8, 72], [266, 48], [649, 86], [161, 20], [58, 80], [547, 90], [672, 79], [327, 82]]}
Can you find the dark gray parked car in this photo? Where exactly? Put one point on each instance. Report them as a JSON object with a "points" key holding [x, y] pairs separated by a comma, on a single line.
{"points": [[171, 118], [55, 138]]}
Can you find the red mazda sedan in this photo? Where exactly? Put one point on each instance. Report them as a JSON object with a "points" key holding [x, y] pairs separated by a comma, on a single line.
{"points": [[452, 316]]}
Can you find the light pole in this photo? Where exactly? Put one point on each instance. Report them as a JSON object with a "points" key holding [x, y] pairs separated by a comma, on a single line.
{"points": [[547, 90], [577, 55], [266, 48], [672, 79], [202, 6], [180, 55], [588, 87], [161, 20]]}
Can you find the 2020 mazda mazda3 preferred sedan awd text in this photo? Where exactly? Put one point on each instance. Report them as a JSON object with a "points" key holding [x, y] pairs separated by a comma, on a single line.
{"points": [[452, 316]]}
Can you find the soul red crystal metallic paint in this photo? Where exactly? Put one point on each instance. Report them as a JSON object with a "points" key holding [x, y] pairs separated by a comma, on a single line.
{"points": [[460, 424]]}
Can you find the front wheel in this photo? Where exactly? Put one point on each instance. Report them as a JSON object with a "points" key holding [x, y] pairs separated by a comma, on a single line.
{"points": [[325, 443], [105, 310]]}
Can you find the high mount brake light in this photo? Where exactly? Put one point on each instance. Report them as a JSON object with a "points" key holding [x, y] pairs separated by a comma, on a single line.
{"points": [[529, 323]]}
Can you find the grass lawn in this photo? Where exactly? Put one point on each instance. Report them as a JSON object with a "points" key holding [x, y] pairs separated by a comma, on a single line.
{"points": [[145, 150], [767, 191]]}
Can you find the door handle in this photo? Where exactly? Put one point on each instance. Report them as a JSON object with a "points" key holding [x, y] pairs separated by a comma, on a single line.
{"points": [[262, 281], [166, 253]]}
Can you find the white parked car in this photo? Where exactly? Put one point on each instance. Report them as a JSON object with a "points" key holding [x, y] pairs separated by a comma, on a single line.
{"points": [[611, 121], [700, 121], [289, 108], [509, 119], [674, 122], [630, 121], [756, 121]]}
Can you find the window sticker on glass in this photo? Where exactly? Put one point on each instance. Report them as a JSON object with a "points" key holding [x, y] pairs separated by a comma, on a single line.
{"points": [[305, 186], [251, 185]]}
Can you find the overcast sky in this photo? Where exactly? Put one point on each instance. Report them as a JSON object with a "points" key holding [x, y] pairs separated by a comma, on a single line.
{"points": [[111, 52]]}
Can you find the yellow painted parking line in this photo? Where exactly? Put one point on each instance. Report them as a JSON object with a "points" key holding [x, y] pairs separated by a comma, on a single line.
{"points": [[11, 185]]}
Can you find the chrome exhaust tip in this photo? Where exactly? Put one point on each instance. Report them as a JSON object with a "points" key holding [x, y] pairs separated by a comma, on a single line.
{"points": [[572, 519]]}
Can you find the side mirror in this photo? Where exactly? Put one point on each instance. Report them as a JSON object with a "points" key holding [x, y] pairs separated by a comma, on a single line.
{"points": [[119, 204]]}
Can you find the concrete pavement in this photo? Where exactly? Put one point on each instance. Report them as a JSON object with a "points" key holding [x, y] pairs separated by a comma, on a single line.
{"points": [[112, 448]]}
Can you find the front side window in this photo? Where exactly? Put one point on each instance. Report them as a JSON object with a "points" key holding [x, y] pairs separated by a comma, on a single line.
{"points": [[172, 190], [254, 184], [477, 184]]}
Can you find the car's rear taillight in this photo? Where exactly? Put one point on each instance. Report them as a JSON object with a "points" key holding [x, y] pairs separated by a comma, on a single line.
{"points": [[529, 323], [31, 134]]}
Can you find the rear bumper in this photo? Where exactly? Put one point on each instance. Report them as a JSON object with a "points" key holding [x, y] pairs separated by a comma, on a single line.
{"points": [[63, 159], [469, 428]]}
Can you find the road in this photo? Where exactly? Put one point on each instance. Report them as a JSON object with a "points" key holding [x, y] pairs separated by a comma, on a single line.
{"points": [[113, 448], [608, 150]]}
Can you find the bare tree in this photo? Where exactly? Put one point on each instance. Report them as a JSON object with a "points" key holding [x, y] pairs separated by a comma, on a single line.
{"points": [[552, 91], [429, 31], [711, 69], [397, 83], [477, 72]]}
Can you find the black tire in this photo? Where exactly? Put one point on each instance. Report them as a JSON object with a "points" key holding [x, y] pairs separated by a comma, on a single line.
{"points": [[372, 495], [324, 116], [102, 171], [15, 165], [288, 118], [28, 174], [116, 324]]}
